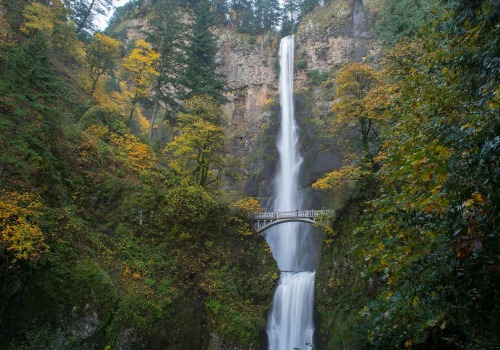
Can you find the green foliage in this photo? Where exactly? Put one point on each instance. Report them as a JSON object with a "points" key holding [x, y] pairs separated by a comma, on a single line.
{"points": [[301, 64], [252, 40], [85, 12], [316, 77], [124, 249], [429, 237], [402, 18], [200, 76], [167, 38], [199, 149], [46, 338], [244, 16], [344, 293], [356, 84], [434, 212], [267, 15], [29, 91], [102, 57]]}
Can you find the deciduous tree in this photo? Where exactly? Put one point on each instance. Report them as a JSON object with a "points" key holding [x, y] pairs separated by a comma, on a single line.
{"points": [[102, 57], [199, 148], [140, 70], [21, 239], [354, 84]]}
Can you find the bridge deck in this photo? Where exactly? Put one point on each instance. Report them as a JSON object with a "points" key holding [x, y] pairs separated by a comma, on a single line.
{"points": [[265, 220], [310, 214]]}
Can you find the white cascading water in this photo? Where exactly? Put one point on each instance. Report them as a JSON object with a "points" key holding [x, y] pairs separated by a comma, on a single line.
{"points": [[290, 324]]}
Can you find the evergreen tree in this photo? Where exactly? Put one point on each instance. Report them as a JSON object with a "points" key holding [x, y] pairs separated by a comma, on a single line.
{"points": [[200, 76], [167, 38], [85, 12], [290, 16], [400, 18], [29, 117], [306, 6], [243, 16], [221, 10], [268, 14]]}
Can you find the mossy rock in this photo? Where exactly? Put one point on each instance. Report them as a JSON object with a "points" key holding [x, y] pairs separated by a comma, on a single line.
{"points": [[61, 305]]}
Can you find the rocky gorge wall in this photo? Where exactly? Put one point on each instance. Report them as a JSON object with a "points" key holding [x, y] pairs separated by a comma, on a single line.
{"points": [[325, 40]]}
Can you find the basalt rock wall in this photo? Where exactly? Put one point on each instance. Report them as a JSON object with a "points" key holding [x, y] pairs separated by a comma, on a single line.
{"points": [[334, 34]]}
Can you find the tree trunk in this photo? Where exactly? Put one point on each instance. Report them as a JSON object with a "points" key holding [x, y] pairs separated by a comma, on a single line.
{"points": [[85, 18], [152, 120], [131, 113]]}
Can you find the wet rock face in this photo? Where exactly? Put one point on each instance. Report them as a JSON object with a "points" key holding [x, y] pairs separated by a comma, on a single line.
{"points": [[246, 61], [247, 65], [86, 324], [342, 31]]}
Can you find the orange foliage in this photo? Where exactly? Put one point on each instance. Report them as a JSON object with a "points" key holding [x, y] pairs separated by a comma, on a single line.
{"points": [[129, 148], [248, 206], [140, 155], [335, 180], [143, 122]]}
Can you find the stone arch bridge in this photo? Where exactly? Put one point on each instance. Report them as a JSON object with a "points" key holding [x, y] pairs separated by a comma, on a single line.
{"points": [[265, 220]]}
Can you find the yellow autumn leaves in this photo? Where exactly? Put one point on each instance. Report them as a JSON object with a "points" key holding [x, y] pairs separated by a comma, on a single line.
{"points": [[21, 239]]}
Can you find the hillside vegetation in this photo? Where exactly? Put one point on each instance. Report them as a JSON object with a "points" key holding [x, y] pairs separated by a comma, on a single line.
{"points": [[109, 240], [115, 228], [412, 260]]}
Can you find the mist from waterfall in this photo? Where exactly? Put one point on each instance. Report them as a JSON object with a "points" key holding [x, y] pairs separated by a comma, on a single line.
{"points": [[290, 324]]}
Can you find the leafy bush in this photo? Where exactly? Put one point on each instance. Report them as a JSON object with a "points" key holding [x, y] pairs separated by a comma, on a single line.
{"points": [[301, 64], [316, 77]]}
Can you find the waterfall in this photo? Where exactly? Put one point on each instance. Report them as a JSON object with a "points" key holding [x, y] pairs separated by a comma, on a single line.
{"points": [[358, 19], [290, 324]]}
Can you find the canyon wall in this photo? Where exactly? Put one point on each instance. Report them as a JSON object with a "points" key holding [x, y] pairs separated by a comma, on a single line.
{"points": [[334, 34]]}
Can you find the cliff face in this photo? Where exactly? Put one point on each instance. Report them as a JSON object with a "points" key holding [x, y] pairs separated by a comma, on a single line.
{"points": [[339, 32], [248, 65], [332, 35]]}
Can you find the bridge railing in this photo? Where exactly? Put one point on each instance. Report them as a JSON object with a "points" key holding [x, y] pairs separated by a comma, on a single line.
{"points": [[290, 214]]}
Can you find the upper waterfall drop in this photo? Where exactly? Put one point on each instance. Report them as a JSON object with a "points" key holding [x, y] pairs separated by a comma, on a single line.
{"points": [[288, 142]]}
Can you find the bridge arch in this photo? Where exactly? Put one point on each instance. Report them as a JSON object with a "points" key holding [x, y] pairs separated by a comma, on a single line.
{"points": [[266, 220]]}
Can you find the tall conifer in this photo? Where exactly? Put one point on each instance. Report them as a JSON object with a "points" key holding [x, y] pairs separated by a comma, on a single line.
{"points": [[167, 38], [200, 76], [268, 14]]}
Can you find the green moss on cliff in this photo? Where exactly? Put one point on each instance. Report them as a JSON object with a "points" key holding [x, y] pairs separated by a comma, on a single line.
{"points": [[341, 292]]}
